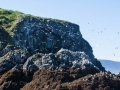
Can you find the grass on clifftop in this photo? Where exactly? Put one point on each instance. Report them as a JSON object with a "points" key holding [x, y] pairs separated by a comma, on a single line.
{"points": [[7, 18]]}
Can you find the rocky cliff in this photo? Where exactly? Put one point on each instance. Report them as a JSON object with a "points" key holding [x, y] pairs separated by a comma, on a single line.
{"points": [[57, 43], [29, 43]]}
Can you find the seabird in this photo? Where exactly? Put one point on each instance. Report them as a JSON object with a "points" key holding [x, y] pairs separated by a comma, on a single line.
{"points": [[114, 54]]}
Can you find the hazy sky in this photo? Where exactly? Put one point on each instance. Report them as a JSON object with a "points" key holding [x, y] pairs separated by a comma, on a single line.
{"points": [[99, 20]]}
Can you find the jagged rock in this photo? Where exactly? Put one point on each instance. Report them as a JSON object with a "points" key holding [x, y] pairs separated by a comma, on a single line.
{"points": [[12, 58], [76, 59], [51, 35], [62, 59], [7, 49], [35, 60], [55, 47], [42, 35], [40, 61]]}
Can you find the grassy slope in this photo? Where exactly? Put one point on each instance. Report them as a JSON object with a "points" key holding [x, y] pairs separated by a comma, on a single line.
{"points": [[7, 18]]}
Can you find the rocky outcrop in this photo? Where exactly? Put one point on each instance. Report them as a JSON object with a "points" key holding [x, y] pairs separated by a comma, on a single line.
{"points": [[49, 46], [46, 35], [61, 44], [11, 59], [63, 59]]}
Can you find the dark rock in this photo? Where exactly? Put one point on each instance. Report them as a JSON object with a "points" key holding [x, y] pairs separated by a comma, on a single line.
{"points": [[12, 58], [4, 38], [15, 79], [52, 39], [18, 67]]}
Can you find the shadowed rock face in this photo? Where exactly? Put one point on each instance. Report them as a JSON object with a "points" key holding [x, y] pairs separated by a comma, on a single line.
{"points": [[46, 35], [35, 43], [4, 38]]}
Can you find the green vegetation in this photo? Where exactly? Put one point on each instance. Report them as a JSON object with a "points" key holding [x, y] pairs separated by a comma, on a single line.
{"points": [[7, 18]]}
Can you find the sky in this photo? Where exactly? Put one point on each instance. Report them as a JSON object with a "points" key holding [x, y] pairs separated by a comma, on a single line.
{"points": [[99, 20]]}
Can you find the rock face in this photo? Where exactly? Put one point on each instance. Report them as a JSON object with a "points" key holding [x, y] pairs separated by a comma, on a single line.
{"points": [[4, 38], [60, 39], [64, 58], [46, 35], [60, 43], [11, 59], [35, 43]]}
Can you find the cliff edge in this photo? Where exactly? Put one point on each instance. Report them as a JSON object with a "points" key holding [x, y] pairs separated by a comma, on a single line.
{"points": [[31, 45]]}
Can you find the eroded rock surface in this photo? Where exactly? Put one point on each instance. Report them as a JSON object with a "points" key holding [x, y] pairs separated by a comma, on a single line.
{"points": [[60, 43], [46, 35], [12, 58], [64, 58], [34, 43]]}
